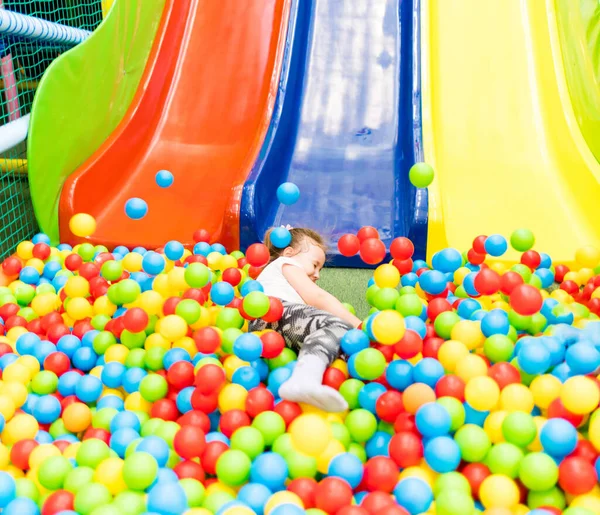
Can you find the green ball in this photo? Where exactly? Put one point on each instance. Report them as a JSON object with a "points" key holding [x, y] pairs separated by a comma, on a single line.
{"points": [[370, 363], [53, 472], [578, 511], [128, 291], [150, 427], [44, 288], [300, 465], [233, 467], [113, 294], [454, 502], [229, 317], [135, 358], [341, 434], [154, 358], [519, 322], [386, 298], [536, 281], [522, 240], [44, 382], [91, 452], [256, 304], [287, 356], [194, 491], [167, 432], [154, 387], [519, 428], [197, 275], [283, 444], [111, 270], [505, 458], [139, 470], [538, 471], [409, 305], [420, 175], [78, 478], [107, 509], [214, 502], [90, 497], [407, 290], [553, 497], [133, 340], [270, 425], [451, 481], [86, 251], [474, 443], [28, 314], [228, 339], [361, 424], [24, 294], [358, 451], [26, 488], [349, 390], [102, 341], [456, 411], [249, 440], [99, 322], [130, 503], [371, 292], [498, 348], [386, 427], [444, 323], [349, 307], [151, 324], [57, 428], [189, 310]]}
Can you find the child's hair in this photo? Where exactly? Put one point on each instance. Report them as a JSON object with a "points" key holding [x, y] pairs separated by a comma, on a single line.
{"points": [[299, 236]]}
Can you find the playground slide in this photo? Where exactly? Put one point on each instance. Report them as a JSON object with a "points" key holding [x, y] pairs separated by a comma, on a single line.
{"points": [[343, 127], [500, 130], [202, 113]]}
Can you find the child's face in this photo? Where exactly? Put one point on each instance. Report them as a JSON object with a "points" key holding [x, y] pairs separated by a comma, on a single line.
{"points": [[310, 256]]}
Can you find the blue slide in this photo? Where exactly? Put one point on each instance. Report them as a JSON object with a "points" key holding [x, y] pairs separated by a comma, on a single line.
{"points": [[346, 126]]}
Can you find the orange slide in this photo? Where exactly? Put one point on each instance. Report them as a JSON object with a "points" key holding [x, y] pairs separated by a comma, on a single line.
{"points": [[202, 110]]}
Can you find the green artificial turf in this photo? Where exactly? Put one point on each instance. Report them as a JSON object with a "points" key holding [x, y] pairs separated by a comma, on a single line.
{"points": [[348, 285]]}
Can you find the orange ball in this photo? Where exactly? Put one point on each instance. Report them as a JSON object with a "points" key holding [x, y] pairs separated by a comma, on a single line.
{"points": [[77, 417], [416, 395]]}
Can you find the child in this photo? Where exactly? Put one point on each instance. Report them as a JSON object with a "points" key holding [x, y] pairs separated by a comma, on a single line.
{"points": [[313, 321]]}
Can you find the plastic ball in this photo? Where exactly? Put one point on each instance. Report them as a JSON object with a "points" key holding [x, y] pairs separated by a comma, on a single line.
{"points": [[526, 299], [82, 225], [388, 327], [313, 425], [233, 467], [136, 208], [432, 420], [498, 491], [280, 237], [164, 178], [372, 251], [414, 494], [288, 193], [558, 437], [580, 395], [421, 175], [442, 454], [522, 240], [348, 245], [538, 471]]}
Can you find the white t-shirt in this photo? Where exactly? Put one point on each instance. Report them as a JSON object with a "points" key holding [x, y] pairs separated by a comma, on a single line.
{"points": [[274, 282]]}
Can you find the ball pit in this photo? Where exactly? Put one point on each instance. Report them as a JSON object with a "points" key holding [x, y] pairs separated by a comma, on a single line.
{"points": [[131, 385]]}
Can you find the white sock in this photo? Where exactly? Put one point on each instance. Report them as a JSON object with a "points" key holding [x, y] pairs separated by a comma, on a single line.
{"points": [[306, 385]]}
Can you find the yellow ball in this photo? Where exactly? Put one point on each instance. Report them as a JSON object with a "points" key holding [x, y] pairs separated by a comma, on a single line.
{"points": [[573, 276], [460, 274], [177, 279], [4, 456], [482, 393], [451, 353], [71, 450], [228, 261], [215, 260], [82, 225], [103, 306], [31, 363], [594, 432], [469, 333], [493, 426], [587, 256], [16, 391], [173, 327], [110, 473], [545, 389], [471, 366], [498, 490], [7, 407], [77, 286], [25, 250], [20, 427], [44, 303], [333, 449], [186, 343], [79, 308], [231, 364], [117, 353], [17, 372], [498, 510], [585, 274], [132, 262], [315, 426], [422, 472], [36, 263], [41, 453], [217, 486], [386, 276], [536, 445], [341, 365], [232, 396], [77, 417], [161, 285], [198, 511], [516, 397], [151, 302], [135, 402], [388, 327], [157, 340], [580, 395], [14, 333], [203, 321], [283, 497]]}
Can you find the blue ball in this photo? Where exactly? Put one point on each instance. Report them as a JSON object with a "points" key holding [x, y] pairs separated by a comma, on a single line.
{"points": [[40, 237], [288, 193], [8, 489], [368, 395], [167, 498], [153, 263], [442, 454], [43, 437], [354, 341], [222, 293], [558, 437], [112, 374], [254, 495], [534, 358], [184, 399], [29, 275], [136, 208], [433, 282], [217, 247], [110, 401], [87, 340], [164, 178], [269, 469], [3, 421], [42, 350], [280, 237], [202, 249], [247, 377], [173, 356], [495, 322], [287, 509], [21, 506], [67, 383], [378, 445], [447, 260], [215, 436], [473, 416], [174, 250], [132, 379], [428, 371], [276, 378], [125, 419], [247, 347], [399, 374], [469, 284], [546, 276], [433, 420], [156, 447], [416, 324], [250, 286], [7, 359], [262, 368], [84, 359], [348, 467], [51, 268], [495, 245], [410, 279], [414, 495], [88, 388], [47, 409], [26, 343], [582, 358], [120, 440]]}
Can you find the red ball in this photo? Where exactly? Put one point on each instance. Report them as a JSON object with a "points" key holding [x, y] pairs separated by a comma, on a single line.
{"points": [[207, 340], [431, 346], [259, 399], [450, 386], [232, 420], [12, 266], [392, 509], [305, 488], [57, 362], [372, 251], [475, 258], [531, 258], [195, 294], [475, 473], [254, 271], [526, 299], [409, 346], [436, 307], [556, 409], [15, 321], [576, 476], [332, 494], [211, 454], [9, 310], [275, 310], [504, 374], [97, 433], [73, 262], [209, 379], [201, 235], [288, 411], [352, 510], [333, 378], [195, 418], [199, 258], [406, 449], [487, 281], [206, 402], [56, 331], [5, 348], [402, 249], [181, 375], [258, 254], [170, 305], [559, 272], [232, 276], [81, 327], [376, 501], [189, 469], [479, 244], [58, 501], [381, 474], [585, 450], [389, 405], [165, 409], [366, 232], [273, 344], [509, 281], [404, 266], [190, 442], [349, 245], [20, 451], [571, 287], [89, 271], [135, 320], [41, 251], [405, 422]]}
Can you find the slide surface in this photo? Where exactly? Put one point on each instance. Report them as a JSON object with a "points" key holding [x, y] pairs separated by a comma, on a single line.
{"points": [[500, 130], [343, 128], [202, 112]]}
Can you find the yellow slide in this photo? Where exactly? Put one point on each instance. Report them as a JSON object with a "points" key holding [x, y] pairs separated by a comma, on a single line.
{"points": [[500, 131]]}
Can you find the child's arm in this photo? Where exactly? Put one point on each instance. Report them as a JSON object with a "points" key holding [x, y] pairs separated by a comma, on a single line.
{"points": [[316, 296]]}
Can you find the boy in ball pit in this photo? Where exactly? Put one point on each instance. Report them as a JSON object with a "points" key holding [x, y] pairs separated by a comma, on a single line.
{"points": [[313, 320]]}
